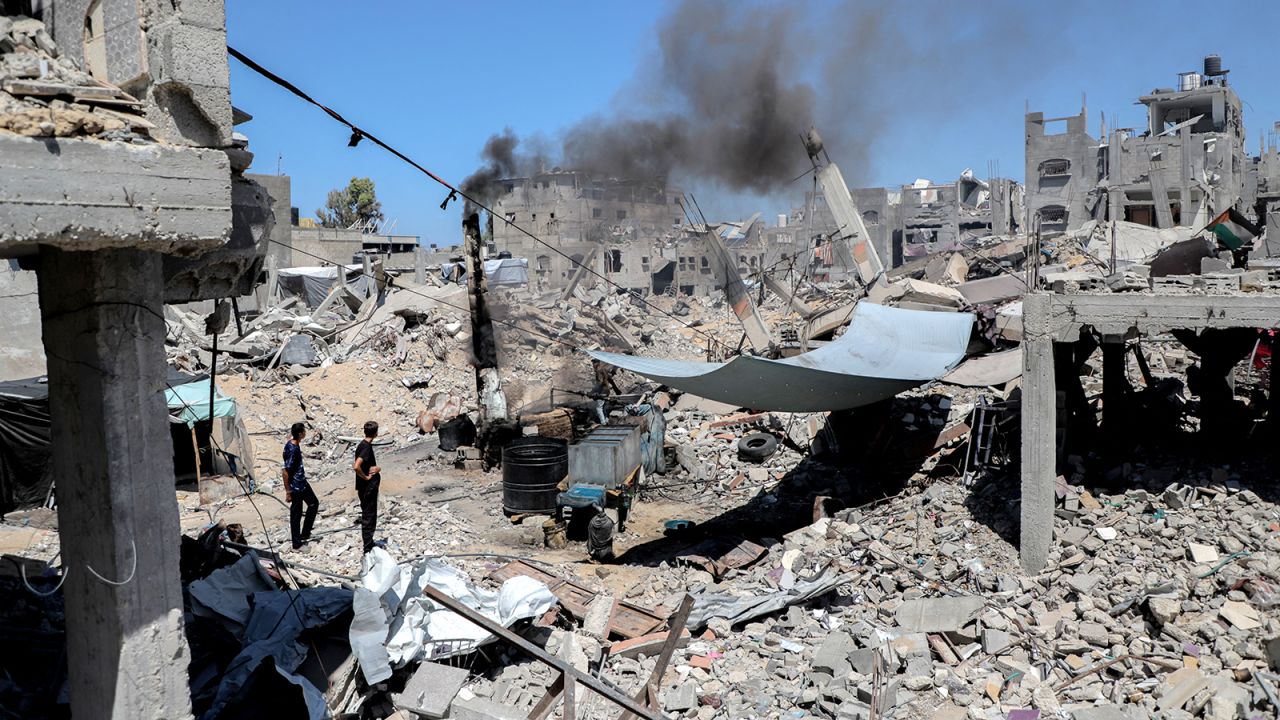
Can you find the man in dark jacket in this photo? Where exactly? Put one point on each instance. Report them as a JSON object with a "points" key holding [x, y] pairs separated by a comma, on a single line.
{"points": [[297, 490], [368, 477]]}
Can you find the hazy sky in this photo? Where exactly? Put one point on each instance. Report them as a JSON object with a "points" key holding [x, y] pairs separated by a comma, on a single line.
{"points": [[929, 90]]}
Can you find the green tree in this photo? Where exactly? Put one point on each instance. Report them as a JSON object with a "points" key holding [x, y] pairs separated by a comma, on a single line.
{"points": [[357, 203]]}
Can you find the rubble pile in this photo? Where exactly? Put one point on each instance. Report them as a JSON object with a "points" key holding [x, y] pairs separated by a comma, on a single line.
{"points": [[46, 94], [1171, 261], [1160, 602]]}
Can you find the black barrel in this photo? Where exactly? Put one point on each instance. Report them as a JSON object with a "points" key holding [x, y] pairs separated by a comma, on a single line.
{"points": [[532, 469]]}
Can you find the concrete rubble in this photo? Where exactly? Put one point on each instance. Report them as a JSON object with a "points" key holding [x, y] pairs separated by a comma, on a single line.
{"points": [[945, 553]]}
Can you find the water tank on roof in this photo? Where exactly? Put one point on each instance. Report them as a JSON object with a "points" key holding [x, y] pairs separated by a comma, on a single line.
{"points": [[1189, 81], [1213, 66]]}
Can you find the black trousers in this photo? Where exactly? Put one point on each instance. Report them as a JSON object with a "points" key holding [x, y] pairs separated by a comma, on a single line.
{"points": [[368, 494], [307, 496]]}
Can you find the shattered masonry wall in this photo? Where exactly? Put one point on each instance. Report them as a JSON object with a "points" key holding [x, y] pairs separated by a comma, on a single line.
{"points": [[636, 221], [1126, 177], [171, 55], [1048, 185]]}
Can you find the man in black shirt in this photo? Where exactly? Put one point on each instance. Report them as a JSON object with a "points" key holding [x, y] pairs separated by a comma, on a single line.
{"points": [[368, 476], [297, 490]]}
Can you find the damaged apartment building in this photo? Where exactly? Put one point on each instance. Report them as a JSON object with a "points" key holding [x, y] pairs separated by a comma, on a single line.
{"points": [[924, 217], [634, 232], [1186, 165], [638, 234]]}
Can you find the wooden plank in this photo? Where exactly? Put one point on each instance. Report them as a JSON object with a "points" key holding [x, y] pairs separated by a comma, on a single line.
{"points": [[632, 621]]}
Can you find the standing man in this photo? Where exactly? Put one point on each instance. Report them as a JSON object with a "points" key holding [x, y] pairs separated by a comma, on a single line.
{"points": [[296, 488], [368, 476]]}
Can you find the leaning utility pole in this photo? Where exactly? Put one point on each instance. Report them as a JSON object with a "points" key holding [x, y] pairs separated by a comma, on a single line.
{"points": [[493, 404]]}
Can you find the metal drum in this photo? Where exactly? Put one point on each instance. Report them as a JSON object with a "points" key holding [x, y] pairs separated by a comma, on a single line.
{"points": [[532, 469]]}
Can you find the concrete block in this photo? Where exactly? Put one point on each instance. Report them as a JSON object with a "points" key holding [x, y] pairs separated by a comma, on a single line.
{"points": [[1179, 687], [833, 654], [995, 641], [431, 690], [683, 697], [938, 614]]}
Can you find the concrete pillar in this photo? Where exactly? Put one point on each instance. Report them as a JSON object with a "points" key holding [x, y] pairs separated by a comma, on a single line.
{"points": [[419, 266], [103, 326], [1039, 433]]}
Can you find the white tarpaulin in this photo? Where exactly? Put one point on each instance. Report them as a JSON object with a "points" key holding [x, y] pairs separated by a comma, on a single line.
{"points": [[507, 271], [406, 627], [883, 352]]}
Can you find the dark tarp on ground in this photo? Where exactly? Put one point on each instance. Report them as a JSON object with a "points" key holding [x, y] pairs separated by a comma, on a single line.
{"points": [[272, 650], [313, 284], [24, 443], [25, 440]]}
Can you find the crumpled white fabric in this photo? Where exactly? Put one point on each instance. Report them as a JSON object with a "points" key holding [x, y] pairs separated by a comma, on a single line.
{"points": [[419, 629]]}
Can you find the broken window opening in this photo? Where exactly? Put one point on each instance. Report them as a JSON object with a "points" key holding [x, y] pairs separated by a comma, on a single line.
{"points": [[871, 217], [613, 261], [1055, 167], [706, 266], [597, 212], [622, 214], [644, 263]]}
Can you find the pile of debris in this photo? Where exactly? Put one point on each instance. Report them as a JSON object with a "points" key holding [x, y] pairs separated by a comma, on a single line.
{"points": [[46, 94]]}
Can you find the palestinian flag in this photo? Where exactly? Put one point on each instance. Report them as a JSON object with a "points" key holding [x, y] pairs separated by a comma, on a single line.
{"points": [[1233, 229]]}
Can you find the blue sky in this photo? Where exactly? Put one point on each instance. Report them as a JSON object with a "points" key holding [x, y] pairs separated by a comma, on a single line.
{"points": [[437, 79]]}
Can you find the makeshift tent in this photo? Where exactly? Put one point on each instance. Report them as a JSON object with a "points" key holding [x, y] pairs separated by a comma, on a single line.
{"points": [[25, 446], [24, 443], [313, 284], [224, 449], [507, 271], [502, 271]]}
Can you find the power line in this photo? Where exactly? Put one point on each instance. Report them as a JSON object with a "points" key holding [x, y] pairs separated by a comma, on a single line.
{"points": [[357, 134]]}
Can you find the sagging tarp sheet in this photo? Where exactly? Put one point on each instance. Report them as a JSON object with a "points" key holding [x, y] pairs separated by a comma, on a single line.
{"points": [[883, 352], [313, 284]]}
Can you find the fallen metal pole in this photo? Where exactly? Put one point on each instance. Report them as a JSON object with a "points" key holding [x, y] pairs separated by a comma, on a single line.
{"points": [[541, 655]]}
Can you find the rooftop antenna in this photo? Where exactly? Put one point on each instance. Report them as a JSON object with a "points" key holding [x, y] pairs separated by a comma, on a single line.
{"points": [[279, 159]]}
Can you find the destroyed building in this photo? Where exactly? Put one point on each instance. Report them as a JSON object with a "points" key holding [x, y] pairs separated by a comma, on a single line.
{"points": [[924, 218], [634, 232], [920, 482], [1187, 164]]}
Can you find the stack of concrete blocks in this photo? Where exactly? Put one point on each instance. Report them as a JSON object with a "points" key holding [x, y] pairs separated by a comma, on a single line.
{"points": [[114, 230]]}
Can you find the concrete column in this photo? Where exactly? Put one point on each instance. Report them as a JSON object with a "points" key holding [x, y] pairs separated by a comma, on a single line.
{"points": [[419, 266], [1039, 433], [103, 327]]}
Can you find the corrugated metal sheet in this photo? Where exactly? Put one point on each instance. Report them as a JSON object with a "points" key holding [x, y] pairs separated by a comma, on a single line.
{"points": [[884, 351]]}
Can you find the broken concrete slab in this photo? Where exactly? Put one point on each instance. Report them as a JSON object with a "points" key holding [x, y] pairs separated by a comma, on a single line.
{"points": [[431, 690], [945, 614], [1179, 687], [1240, 614], [1202, 553]]}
